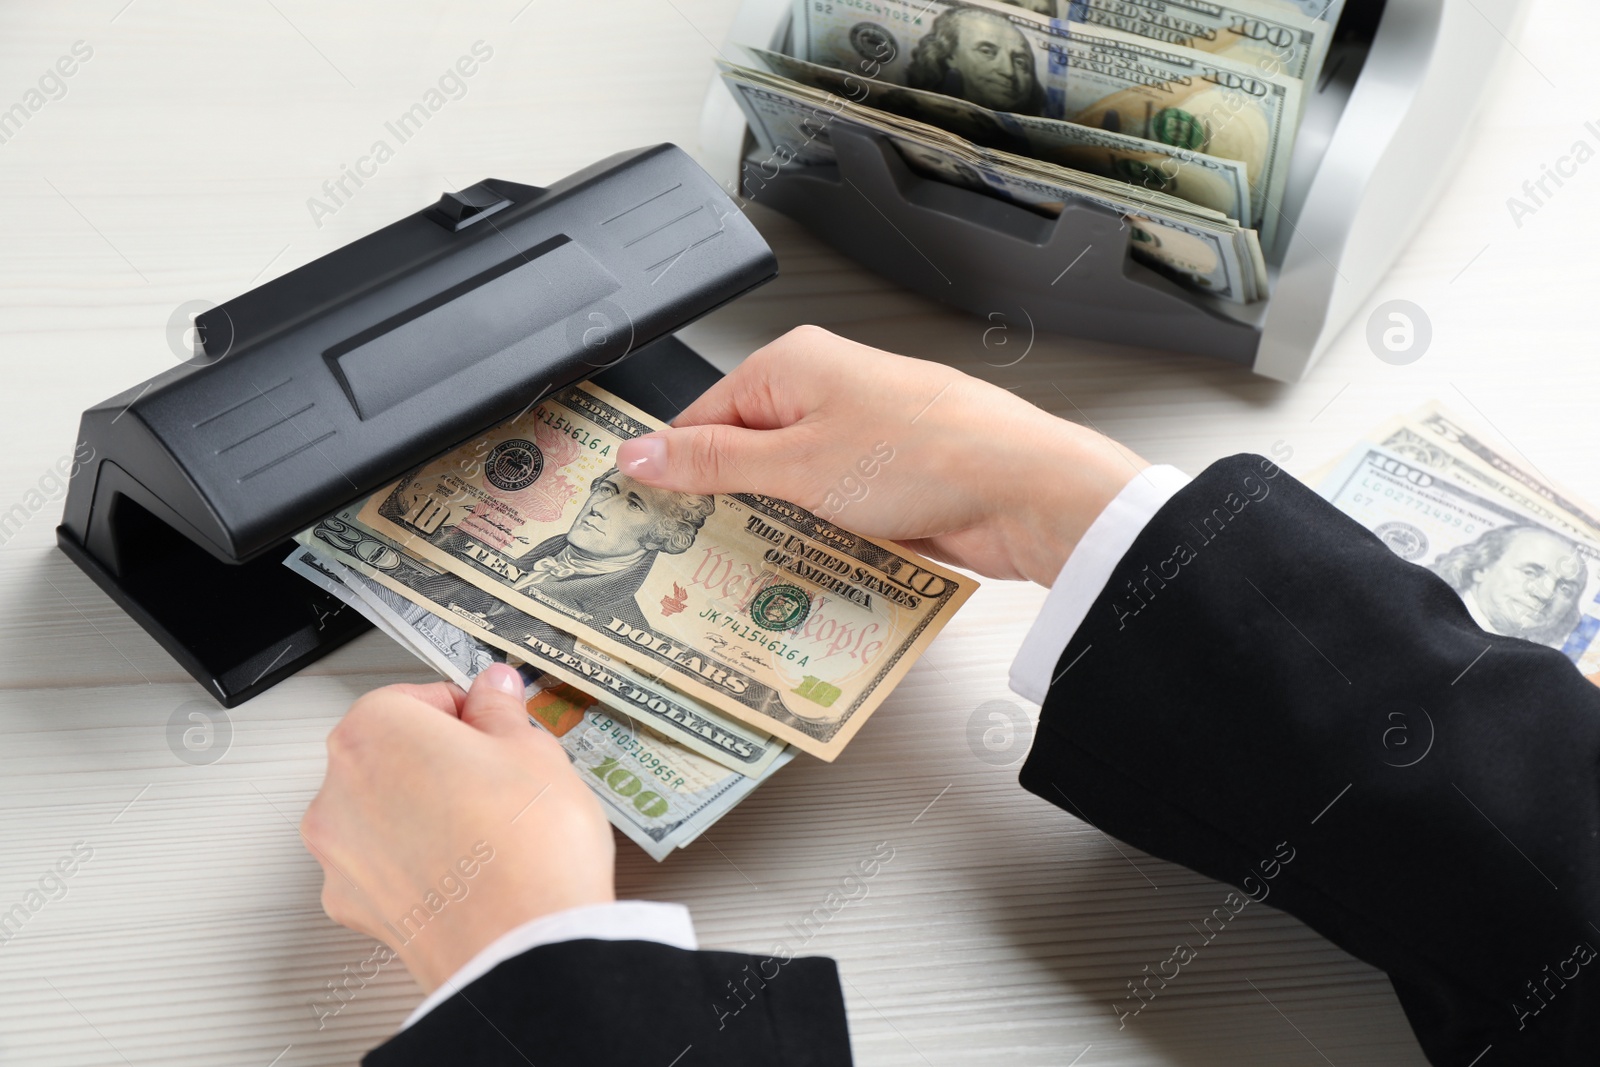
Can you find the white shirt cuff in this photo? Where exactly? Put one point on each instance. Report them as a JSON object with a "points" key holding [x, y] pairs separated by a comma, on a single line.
{"points": [[1085, 574], [621, 920]]}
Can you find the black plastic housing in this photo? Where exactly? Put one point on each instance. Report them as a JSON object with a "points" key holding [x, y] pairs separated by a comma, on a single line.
{"points": [[323, 385]]}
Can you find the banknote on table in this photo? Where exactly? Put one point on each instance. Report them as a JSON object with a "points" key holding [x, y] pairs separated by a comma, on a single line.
{"points": [[344, 541], [753, 605], [1087, 75], [1517, 575], [1219, 184], [659, 794], [1437, 438], [1200, 248], [1269, 36]]}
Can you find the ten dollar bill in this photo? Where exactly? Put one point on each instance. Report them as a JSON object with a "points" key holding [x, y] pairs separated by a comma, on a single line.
{"points": [[753, 605]]}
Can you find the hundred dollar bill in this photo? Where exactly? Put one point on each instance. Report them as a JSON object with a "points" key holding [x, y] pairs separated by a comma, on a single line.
{"points": [[1010, 60], [1204, 251], [810, 105], [1268, 36], [1322, 10], [436, 640], [805, 114], [1318, 10], [1410, 443], [491, 623], [330, 578], [1219, 184], [754, 605], [1434, 437], [660, 795], [1517, 576]]}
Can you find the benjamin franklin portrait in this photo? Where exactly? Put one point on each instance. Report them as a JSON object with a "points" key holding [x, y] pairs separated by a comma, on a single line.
{"points": [[978, 55], [1520, 581]]}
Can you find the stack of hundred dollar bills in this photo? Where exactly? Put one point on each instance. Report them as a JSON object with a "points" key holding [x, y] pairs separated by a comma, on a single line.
{"points": [[1523, 554], [1179, 115], [680, 647]]}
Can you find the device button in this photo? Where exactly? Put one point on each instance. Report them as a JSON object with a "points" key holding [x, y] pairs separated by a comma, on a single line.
{"points": [[464, 207]]}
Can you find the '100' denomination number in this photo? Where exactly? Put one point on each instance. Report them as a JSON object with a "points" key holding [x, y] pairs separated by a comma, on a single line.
{"points": [[634, 747]]}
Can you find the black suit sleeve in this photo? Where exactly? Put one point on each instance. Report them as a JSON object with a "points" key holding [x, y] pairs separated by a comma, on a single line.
{"points": [[1265, 693], [588, 1002]]}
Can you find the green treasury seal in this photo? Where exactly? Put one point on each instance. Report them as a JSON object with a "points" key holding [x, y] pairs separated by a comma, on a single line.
{"points": [[780, 607]]}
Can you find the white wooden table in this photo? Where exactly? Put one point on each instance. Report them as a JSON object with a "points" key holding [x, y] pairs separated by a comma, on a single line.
{"points": [[178, 165]]}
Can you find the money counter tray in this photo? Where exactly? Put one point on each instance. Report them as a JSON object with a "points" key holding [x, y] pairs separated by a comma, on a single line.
{"points": [[321, 386], [1380, 131]]}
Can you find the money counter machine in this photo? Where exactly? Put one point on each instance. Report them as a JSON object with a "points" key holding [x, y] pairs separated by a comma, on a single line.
{"points": [[1378, 138], [319, 387]]}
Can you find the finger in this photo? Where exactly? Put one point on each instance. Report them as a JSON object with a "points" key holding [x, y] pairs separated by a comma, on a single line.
{"points": [[321, 836], [347, 905], [932, 547], [719, 404], [495, 704], [759, 393], [446, 696], [714, 459]]}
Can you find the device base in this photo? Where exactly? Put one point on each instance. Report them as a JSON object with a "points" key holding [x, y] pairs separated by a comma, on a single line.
{"points": [[238, 629]]}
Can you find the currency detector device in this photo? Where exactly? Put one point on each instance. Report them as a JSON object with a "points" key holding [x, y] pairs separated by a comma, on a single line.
{"points": [[1378, 138], [317, 388]]}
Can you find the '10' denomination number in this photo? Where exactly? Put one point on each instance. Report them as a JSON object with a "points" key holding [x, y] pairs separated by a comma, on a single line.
{"points": [[816, 690], [426, 515]]}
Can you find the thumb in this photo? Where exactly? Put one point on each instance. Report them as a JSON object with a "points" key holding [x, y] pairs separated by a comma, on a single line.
{"points": [[494, 704], [714, 458]]}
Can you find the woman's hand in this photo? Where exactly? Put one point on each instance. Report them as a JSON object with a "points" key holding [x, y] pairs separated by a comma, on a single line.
{"points": [[447, 819], [893, 447]]}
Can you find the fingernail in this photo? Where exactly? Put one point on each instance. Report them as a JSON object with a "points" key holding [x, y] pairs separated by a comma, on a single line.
{"points": [[644, 458], [503, 677]]}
